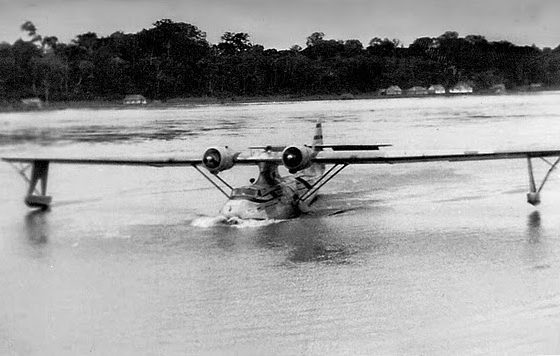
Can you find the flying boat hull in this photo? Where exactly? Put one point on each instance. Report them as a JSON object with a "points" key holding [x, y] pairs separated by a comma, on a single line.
{"points": [[246, 209], [278, 201]]}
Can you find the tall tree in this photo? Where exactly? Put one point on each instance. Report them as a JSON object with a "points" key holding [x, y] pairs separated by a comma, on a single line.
{"points": [[234, 43], [314, 38]]}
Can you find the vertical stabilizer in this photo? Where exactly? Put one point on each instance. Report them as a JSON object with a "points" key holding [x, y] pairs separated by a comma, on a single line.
{"points": [[318, 137], [316, 169]]}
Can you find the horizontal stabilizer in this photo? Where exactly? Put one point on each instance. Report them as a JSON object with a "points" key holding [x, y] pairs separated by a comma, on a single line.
{"points": [[354, 147], [374, 147], [268, 148]]}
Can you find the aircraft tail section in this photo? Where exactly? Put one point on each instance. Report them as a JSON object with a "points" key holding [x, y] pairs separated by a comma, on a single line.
{"points": [[316, 169], [318, 137]]}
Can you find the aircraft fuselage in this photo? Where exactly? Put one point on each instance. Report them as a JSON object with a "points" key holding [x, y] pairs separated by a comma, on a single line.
{"points": [[269, 197]]}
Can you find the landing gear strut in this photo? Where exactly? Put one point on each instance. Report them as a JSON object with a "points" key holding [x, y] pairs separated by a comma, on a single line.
{"points": [[325, 178]]}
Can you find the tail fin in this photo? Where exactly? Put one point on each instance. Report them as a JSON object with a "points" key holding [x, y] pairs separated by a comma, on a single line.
{"points": [[318, 137], [316, 169]]}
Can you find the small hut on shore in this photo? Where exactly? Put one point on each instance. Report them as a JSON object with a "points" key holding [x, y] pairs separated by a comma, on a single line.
{"points": [[393, 90], [461, 88], [535, 86], [417, 90], [498, 89], [36, 103], [135, 99], [436, 89]]}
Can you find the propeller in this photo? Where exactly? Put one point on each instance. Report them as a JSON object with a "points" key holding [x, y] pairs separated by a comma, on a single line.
{"points": [[217, 159], [297, 158], [292, 157], [212, 158]]}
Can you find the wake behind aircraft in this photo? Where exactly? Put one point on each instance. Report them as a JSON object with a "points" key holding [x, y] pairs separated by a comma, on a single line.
{"points": [[271, 195]]}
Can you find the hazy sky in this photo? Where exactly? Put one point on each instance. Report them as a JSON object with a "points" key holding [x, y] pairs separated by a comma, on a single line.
{"points": [[283, 23]]}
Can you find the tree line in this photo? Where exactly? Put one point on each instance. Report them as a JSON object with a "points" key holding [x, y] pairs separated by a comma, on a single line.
{"points": [[174, 59]]}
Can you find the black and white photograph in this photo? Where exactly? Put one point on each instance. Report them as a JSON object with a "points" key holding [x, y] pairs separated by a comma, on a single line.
{"points": [[259, 177]]}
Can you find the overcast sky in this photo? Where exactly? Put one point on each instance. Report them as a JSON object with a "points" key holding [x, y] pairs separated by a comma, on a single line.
{"points": [[283, 23]]}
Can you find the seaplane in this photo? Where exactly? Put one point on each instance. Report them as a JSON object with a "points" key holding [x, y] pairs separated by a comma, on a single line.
{"points": [[271, 195]]}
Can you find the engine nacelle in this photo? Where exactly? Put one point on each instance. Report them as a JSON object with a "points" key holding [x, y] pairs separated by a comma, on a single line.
{"points": [[217, 159], [297, 158]]}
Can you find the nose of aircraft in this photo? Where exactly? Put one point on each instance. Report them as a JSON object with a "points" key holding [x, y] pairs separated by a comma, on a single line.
{"points": [[243, 209]]}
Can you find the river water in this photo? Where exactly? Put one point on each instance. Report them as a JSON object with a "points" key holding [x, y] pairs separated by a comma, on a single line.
{"points": [[434, 258]]}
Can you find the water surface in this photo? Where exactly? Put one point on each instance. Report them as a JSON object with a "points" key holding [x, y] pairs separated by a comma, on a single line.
{"points": [[409, 259]]}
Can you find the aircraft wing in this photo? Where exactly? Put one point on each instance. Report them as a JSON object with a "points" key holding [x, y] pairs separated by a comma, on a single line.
{"points": [[137, 161], [394, 158], [217, 160], [324, 157]]}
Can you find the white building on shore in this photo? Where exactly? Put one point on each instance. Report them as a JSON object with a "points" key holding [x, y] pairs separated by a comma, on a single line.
{"points": [[135, 100], [437, 89], [461, 88]]}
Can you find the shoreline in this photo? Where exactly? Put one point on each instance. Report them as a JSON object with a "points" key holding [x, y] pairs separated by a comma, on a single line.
{"points": [[8, 107]]}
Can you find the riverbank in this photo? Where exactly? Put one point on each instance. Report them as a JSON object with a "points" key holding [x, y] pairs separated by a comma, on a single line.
{"points": [[175, 102], [232, 100]]}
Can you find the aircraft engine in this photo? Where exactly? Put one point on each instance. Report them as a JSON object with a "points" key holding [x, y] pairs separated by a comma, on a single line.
{"points": [[297, 158], [217, 159]]}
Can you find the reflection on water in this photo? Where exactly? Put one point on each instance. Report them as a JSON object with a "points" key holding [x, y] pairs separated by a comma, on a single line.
{"points": [[36, 226], [534, 227], [149, 129], [314, 249], [307, 241], [92, 134], [537, 252], [226, 238]]}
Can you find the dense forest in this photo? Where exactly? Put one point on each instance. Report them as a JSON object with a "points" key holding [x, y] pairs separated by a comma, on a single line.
{"points": [[174, 60]]}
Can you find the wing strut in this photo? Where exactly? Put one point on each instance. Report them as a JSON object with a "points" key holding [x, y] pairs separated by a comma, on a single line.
{"points": [[325, 178], [534, 197], [214, 183]]}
